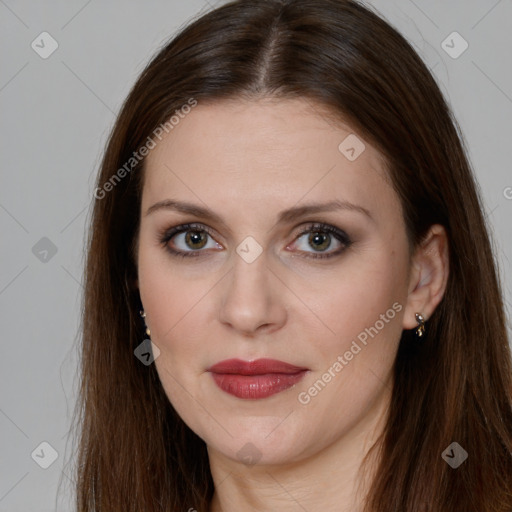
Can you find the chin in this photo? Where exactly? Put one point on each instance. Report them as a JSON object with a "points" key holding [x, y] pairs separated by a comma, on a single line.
{"points": [[260, 441]]}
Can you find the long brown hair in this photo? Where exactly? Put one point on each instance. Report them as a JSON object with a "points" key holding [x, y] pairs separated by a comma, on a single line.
{"points": [[135, 453]]}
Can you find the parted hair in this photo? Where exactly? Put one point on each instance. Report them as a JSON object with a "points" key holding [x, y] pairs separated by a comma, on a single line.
{"points": [[134, 451]]}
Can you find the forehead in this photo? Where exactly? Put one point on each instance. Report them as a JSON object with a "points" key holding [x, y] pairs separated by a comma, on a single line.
{"points": [[264, 152]]}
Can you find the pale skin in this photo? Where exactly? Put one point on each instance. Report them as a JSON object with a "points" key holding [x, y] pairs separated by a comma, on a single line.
{"points": [[247, 161]]}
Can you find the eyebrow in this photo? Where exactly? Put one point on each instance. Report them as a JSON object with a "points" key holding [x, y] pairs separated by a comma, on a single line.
{"points": [[285, 216]]}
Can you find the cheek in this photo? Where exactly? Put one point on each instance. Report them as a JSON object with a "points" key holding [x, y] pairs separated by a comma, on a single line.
{"points": [[166, 296], [357, 360], [179, 313], [368, 294], [178, 327], [365, 313]]}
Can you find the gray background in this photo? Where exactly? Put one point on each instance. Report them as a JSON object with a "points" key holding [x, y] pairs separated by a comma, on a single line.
{"points": [[56, 114]]}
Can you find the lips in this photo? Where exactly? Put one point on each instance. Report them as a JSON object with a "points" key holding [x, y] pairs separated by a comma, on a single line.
{"points": [[255, 379]]}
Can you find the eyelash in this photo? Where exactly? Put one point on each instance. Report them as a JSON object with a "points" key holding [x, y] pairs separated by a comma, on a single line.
{"points": [[341, 236]]}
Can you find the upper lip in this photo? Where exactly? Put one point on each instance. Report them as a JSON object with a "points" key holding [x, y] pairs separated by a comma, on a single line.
{"points": [[256, 367]]}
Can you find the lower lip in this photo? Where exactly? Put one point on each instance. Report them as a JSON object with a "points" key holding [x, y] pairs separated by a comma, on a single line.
{"points": [[256, 386]]}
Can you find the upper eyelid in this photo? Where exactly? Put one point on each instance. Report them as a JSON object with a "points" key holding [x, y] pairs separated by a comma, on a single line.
{"points": [[179, 228]]}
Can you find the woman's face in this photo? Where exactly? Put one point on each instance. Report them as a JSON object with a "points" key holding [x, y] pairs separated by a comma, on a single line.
{"points": [[262, 274]]}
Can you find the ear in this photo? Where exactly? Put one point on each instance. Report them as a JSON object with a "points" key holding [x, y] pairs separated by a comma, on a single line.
{"points": [[428, 276]]}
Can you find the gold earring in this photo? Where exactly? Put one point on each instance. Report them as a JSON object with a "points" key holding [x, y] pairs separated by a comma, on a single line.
{"points": [[420, 330], [143, 315]]}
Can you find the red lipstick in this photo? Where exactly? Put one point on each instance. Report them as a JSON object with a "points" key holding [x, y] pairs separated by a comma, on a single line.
{"points": [[255, 379]]}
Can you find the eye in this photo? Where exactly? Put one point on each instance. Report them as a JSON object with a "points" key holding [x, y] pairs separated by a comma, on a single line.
{"points": [[189, 239], [320, 237]]}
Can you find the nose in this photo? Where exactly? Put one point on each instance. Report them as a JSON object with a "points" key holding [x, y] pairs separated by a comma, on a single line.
{"points": [[252, 299]]}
